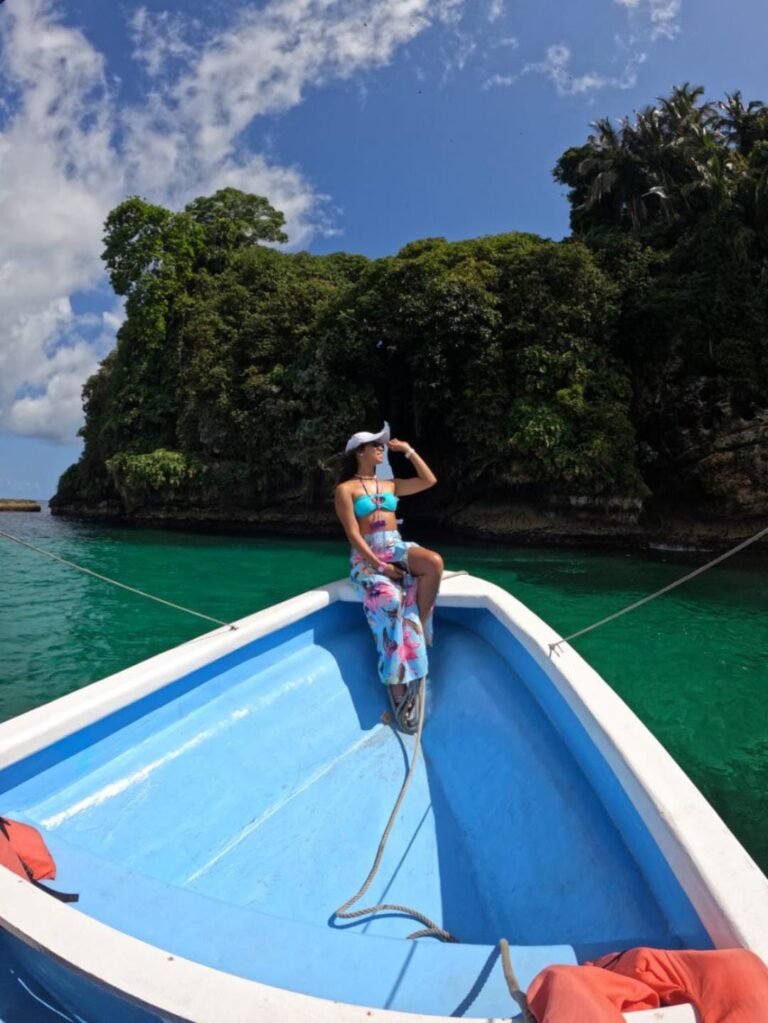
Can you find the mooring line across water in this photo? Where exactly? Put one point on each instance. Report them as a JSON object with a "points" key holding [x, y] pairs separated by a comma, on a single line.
{"points": [[658, 593], [115, 582]]}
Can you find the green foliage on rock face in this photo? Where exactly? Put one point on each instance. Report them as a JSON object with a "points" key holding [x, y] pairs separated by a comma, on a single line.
{"points": [[569, 368], [674, 203], [468, 346], [158, 470], [495, 352]]}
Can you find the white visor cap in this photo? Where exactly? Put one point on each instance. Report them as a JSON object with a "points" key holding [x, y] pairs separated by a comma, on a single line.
{"points": [[364, 437]]}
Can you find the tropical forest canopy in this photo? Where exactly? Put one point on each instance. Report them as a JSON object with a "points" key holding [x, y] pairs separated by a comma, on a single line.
{"points": [[583, 367]]}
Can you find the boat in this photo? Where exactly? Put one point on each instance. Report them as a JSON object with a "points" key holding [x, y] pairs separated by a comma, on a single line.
{"points": [[215, 804]]}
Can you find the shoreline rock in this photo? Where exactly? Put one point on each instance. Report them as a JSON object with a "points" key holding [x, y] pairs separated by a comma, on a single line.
{"points": [[13, 504], [675, 531]]}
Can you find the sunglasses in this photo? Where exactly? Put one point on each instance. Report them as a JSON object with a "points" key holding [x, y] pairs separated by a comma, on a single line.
{"points": [[372, 444]]}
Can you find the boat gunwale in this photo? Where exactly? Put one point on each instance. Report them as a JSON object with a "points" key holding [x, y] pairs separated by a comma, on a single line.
{"points": [[725, 886]]}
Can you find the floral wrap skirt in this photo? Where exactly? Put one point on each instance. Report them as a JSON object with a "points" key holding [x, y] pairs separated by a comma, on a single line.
{"points": [[391, 609]]}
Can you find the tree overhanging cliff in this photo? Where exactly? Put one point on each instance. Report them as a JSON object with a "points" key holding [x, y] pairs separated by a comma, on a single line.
{"points": [[623, 368]]}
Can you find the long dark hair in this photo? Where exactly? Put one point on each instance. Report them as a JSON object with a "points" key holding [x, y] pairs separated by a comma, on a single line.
{"points": [[348, 467]]}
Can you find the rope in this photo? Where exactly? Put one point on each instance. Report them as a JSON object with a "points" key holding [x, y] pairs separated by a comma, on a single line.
{"points": [[430, 927], [512, 982], [665, 589], [114, 582]]}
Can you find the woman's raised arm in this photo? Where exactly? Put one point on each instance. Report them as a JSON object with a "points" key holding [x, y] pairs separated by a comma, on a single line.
{"points": [[424, 479]]}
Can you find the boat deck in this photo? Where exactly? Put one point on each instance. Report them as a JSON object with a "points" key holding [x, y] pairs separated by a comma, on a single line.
{"points": [[227, 823]]}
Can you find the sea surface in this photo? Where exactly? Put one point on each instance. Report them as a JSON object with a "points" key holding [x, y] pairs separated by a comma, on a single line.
{"points": [[692, 664]]}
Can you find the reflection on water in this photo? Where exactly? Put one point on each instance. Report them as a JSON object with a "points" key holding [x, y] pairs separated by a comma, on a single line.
{"points": [[691, 664]]}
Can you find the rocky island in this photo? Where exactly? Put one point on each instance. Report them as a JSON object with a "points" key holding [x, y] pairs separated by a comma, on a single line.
{"points": [[610, 387], [12, 504]]}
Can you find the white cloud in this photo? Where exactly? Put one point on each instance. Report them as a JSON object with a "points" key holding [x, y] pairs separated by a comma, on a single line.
{"points": [[495, 10], [649, 20], [160, 39], [69, 150], [449, 12], [262, 65], [57, 412], [661, 18], [58, 176], [455, 56], [113, 321], [502, 80], [557, 67], [664, 18]]}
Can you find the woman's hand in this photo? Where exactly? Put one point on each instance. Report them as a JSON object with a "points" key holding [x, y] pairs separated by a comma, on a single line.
{"points": [[393, 572], [398, 445]]}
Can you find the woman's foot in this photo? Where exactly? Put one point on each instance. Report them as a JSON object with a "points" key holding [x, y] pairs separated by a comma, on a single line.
{"points": [[397, 689]]}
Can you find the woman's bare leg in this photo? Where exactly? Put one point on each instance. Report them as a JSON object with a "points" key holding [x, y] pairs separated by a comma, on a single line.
{"points": [[427, 566]]}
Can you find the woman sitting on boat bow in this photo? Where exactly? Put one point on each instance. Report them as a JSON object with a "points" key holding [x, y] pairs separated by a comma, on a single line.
{"points": [[398, 580]]}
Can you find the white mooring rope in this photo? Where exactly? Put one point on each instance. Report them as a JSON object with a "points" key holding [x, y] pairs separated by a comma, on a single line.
{"points": [[658, 593], [344, 912], [430, 928], [114, 582]]}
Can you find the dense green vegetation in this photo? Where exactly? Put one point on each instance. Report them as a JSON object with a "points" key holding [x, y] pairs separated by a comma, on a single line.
{"points": [[522, 365], [675, 206]]}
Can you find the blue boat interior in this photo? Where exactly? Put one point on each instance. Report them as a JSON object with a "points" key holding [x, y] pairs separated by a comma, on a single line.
{"points": [[225, 817]]}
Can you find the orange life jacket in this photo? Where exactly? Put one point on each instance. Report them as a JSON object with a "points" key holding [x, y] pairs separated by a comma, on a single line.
{"points": [[725, 984], [23, 851]]}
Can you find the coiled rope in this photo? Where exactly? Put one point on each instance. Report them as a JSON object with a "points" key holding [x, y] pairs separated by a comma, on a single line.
{"points": [[658, 593], [430, 929], [114, 582]]}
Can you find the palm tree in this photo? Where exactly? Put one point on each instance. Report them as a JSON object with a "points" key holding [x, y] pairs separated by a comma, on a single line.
{"points": [[669, 165], [743, 126]]}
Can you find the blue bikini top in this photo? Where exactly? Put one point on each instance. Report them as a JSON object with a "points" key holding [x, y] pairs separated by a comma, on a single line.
{"points": [[367, 505]]}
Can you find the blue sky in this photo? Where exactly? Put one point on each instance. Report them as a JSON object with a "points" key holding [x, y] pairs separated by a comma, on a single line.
{"points": [[369, 122]]}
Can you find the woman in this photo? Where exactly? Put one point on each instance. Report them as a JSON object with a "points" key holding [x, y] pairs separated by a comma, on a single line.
{"points": [[397, 580]]}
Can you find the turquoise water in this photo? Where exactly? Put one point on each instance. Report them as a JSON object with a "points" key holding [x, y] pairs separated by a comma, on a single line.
{"points": [[691, 664]]}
